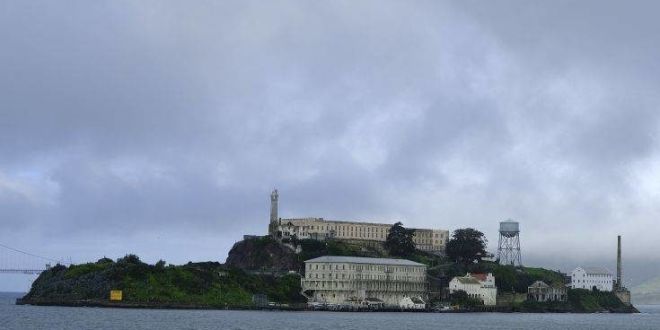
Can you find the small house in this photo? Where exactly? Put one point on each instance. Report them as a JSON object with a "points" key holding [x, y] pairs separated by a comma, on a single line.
{"points": [[541, 292]]}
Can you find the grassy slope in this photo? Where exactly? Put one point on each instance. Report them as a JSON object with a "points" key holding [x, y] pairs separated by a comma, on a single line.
{"points": [[507, 278], [195, 284]]}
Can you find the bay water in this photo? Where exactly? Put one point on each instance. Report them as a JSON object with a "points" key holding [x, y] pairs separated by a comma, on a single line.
{"points": [[56, 318]]}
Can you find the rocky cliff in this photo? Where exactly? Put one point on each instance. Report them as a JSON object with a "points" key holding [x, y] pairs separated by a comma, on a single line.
{"points": [[262, 253]]}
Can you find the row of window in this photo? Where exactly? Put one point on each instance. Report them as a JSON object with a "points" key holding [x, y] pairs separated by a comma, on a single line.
{"points": [[365, 277], [382, 230], [366, 229], [595, 275], [594, 281], [360, 267], [375, 285]]}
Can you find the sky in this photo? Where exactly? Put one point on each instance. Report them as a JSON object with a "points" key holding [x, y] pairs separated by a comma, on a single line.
{"points": [[160, 127]]}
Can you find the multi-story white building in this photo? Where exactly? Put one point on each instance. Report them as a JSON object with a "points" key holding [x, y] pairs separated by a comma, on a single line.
{"points": [[477, 286], [592, 277], [430, 240], [364, 281]]}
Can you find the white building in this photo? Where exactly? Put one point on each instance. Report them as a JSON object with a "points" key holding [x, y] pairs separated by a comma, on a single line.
{"points": [[477, 286], [412, 303], [592, 277], [430, 240], [364, 281]]}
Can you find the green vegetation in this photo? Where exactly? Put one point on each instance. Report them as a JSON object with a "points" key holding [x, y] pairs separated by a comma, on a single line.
{"points": [[581, 301], [591, 301], [507, 278], [467, 246], [399, 241], [313, 248], [261, 265], [266, 254], [207, 284], [461, 298], [512, 281]]}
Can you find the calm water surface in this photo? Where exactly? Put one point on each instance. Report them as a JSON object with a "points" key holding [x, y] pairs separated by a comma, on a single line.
{"points": [[32, 317]]}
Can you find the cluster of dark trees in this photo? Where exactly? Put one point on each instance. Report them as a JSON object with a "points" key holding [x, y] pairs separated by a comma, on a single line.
{"points": [[466, 245]]}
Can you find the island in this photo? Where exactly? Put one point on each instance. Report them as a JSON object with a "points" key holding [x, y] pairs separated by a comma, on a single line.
{"points": [[265, 273]]}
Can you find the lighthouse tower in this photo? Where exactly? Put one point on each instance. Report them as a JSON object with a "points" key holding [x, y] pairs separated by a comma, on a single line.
{"points": [[274, 219], [273, 206]]}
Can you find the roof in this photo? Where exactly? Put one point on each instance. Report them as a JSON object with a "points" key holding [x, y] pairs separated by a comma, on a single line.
{"points": [[596, 270], [357, 222], [480, 276], [539, 284], [365, 260], [468, 280]]}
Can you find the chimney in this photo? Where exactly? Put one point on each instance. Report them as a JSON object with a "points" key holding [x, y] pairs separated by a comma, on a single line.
{"points": [[619, 284]]}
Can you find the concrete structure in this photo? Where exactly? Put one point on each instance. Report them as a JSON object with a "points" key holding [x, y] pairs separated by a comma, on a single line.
{"points": [[260, 300], [412, 303], [430, 240], [541, 292], [592, 278], [362, 281], [508, 248], [619, 289], [619, 272], [478, 286]]}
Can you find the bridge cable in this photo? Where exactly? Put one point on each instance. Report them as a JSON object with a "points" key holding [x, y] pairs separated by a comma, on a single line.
{"points": [[28, 253]]}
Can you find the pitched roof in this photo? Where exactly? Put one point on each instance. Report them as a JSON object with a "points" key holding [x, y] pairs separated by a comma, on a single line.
{"points": [[365, 260], [596, 271], [480, 276], [467, 280]]}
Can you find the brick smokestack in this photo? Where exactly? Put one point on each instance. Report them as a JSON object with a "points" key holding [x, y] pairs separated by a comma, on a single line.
{"points": [[619, 284]]}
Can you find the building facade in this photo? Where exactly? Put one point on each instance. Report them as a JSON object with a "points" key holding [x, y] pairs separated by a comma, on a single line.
{"points": [[430, 240], [592, 278], [364, 281], [541, 292], [477, 286]]}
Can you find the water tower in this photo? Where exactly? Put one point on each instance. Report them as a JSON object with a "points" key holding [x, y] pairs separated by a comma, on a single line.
{"points": [[508, 249]]}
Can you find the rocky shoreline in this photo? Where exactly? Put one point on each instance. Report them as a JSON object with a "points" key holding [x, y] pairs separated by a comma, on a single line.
{"points": [[300, 307]]}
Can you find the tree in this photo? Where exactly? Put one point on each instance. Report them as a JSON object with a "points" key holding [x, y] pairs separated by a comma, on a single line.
{"points": [[160, 264], [467, 246], [129, 259], [461, 297], [399, 241]]}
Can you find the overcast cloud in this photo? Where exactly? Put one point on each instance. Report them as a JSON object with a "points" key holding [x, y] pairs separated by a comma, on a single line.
{"points": [[159, 128]]}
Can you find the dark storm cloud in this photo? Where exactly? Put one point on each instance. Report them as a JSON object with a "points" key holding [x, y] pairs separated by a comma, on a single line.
{"points": [[160, 127]]}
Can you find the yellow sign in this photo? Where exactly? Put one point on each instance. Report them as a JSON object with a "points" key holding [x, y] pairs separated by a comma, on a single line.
{"points": [[116, 295]]}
